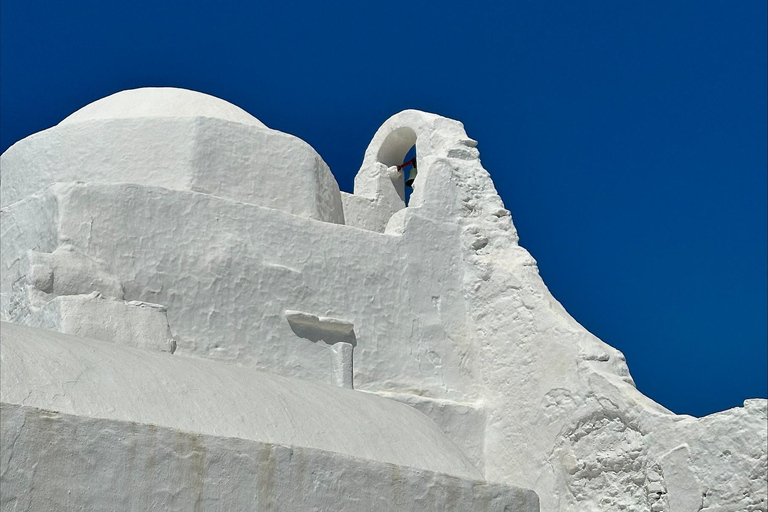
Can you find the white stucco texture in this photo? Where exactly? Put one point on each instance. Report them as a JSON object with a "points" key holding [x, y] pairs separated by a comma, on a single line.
{"points": [[98, 464], [133, 324], [180, 140], [161, 102], [417, 335], [83, 377]]}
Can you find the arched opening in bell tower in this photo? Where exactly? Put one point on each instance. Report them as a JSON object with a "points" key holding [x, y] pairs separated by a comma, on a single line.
{"points": [[399, 151]]}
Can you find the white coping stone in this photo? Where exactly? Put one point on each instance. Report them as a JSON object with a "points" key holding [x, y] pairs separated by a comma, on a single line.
{"points": [[132, 324], [445, 304], [90, 378], [330, 330]]}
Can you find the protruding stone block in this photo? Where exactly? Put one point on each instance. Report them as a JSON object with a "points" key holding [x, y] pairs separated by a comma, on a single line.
{"points": [[339, 334], [133, 324]]}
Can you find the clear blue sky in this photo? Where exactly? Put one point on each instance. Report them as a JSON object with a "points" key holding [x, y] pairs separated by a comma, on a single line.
{"points": [[627, 138]]}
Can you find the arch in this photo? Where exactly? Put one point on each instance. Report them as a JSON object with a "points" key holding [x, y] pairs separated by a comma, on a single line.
{"points": [[396, 145], [392, 152], [379, 191]]}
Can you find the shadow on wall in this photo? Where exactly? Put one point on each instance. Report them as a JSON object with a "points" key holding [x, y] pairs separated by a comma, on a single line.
{"points": [[408, 171], [338, 334], [399, 147]]}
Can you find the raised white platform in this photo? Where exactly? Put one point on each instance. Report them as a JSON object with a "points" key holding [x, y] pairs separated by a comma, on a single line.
{"points": [[80, 463], [97, 379]]}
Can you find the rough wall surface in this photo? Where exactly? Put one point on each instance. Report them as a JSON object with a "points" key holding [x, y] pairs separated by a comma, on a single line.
{"points": [[442, 309], [133, 324], [78, 463], [90, 378], [201, 148], [564, 416], [227, 271]]}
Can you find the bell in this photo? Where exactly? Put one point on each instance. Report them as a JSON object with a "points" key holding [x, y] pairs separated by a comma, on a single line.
{"points": [[411, 175]]}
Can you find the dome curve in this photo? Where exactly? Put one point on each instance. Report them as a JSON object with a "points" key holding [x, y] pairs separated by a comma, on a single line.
{"points": [[161, 102]]}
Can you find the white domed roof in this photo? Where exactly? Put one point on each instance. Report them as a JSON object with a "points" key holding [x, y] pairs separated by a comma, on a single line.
{"points": [[161, 102]]}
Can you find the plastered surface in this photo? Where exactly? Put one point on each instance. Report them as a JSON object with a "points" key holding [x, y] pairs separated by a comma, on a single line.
{"points": [[447, 311], [190, 142], [102, 465], [91, 378]]}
